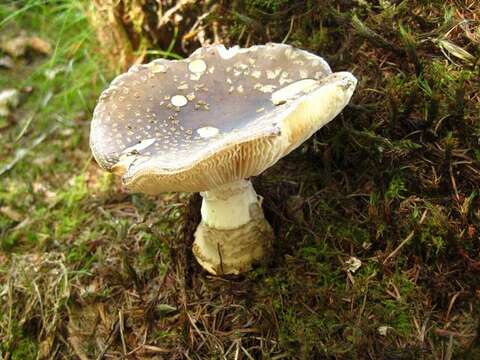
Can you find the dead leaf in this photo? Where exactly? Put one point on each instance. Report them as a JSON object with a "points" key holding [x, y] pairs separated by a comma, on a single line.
{"points": [[18, 46], [6, 62], [9, 99], [11, 214], [353, 264], [15, 47], [45, 348], [382, 330], [471, 231], [40, 188], [40, 45], [455, 50]]}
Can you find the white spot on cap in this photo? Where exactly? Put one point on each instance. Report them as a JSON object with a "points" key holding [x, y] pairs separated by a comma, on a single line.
{"points": [[195, 76], [197, 66], [272, 74], [158, 68], [303, 73], [179, 100], [293, 89], [256, 74], [227, 53], [143, 144], [208, 132], [264, 88]]}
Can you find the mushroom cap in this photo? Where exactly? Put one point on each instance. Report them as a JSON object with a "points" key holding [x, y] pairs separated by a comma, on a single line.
{"points": [[218, 116]]}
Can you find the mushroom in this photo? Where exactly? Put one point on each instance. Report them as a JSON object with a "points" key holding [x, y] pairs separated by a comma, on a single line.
{"points": [[210, 122]]}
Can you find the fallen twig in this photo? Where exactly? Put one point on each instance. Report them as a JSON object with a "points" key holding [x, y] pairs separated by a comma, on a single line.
{"points": [[407, 239]]}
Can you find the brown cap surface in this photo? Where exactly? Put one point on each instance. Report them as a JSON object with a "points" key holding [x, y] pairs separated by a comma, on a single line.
{"points": [[218, 116]]}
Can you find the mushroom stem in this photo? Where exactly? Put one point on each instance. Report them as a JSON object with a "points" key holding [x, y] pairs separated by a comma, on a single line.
{"points": [[233, 234]]}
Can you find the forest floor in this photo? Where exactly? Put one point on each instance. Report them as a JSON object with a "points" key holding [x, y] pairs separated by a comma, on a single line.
{"points": [[392, 185]]}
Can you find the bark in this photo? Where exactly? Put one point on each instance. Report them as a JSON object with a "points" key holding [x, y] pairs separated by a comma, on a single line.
{"points": [[131, 30]]}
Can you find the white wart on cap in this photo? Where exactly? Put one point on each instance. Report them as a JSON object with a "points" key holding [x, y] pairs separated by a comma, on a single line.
{"points": [[219, 116]]}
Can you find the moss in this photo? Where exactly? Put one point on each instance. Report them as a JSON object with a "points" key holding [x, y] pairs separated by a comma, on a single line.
{"points": [[26, 349], [396, 188]]}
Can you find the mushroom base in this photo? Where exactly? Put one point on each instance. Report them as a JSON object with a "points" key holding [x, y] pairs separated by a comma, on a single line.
{"points": [[233, 234], [223, 252]]}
